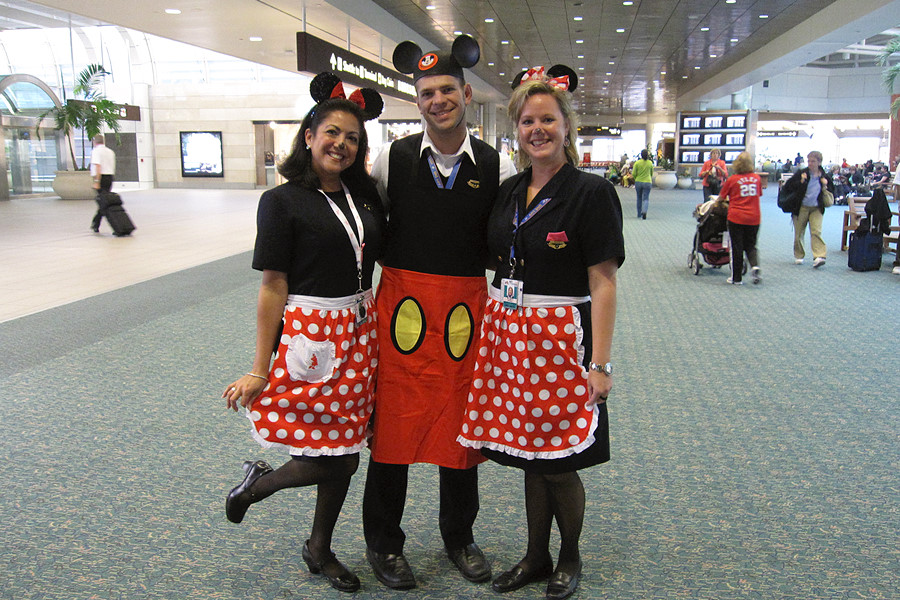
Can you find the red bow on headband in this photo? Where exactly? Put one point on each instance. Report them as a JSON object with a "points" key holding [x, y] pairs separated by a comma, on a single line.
{"points": [[356, 97], [537, 74]]}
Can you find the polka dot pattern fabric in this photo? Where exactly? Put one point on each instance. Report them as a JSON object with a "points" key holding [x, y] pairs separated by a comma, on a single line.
{"points": [[328, 417], [529, 395]]}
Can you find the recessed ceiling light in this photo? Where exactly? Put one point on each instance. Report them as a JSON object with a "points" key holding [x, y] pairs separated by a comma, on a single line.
{"points": [[608, 73], [704, 29], [730, 1], [430, 7], [504, 42], [579, 41], [763, 16], [620, 30], [713, 55], [734, 40], [489, 20], [581, 56], [696, 68], [254, 38], [502, 74], [516, 57], [581, 68], [173, 11], [627, 3], [490, 64], [612, 62], [457, 33], [577, 18], [684, 76], [662, 72], [606, 81]]}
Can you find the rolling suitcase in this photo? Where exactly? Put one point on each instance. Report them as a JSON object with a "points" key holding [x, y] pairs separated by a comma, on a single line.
{"points": [[865, 251], [119, 220]]}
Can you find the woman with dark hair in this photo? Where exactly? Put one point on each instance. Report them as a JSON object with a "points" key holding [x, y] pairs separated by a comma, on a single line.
{"points": [[318, 237], [742, 191], [543, 371]]}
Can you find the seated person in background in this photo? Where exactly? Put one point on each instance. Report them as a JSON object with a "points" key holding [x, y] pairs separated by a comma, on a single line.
{"points": [[880, 177], [841, 189], [627, 177]]}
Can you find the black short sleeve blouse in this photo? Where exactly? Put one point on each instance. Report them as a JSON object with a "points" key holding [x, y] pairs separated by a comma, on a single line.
{"points": [[298, 233], [580, 226]]}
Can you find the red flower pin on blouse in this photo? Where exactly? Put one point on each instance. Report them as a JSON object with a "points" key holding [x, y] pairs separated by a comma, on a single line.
{"points": [[557, 239]]}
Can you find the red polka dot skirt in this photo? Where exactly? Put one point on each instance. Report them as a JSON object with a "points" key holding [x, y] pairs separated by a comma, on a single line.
{"points": [[320, 392], [529, 395]]}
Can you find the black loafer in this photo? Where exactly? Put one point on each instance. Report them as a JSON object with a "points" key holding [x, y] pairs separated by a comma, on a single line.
{"points": [[392, 570], [471, 562], [518, 577], [239, 499], [341, 579], [562, 584]]}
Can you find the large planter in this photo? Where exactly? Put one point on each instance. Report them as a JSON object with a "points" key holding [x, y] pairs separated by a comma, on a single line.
{"points": [[665, 180], [686, 183], [74, 185]]}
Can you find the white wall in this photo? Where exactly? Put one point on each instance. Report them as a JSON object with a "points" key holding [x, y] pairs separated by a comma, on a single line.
{"points": [[813, 90], [230, 109]]}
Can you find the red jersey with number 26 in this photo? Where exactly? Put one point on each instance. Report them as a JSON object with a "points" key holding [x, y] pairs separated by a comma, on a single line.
{"points": [[743, 198]]}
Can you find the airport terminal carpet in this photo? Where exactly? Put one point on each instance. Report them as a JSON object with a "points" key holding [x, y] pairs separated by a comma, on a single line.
{"points": [[754, 442]]}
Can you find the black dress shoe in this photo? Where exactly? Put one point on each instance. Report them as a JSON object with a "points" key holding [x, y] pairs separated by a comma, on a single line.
{"points": [[471, 562], [562, 584], [239, 499], [392, 570], [332, 569], [518, 577]]}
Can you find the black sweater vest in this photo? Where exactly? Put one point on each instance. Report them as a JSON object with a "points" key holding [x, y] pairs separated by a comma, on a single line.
{"points": [[439, 231]]}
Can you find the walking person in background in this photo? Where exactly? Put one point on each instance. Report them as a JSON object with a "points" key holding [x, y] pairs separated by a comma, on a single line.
{"points": [[713, 172], [318, 237], [742, 192], [806, 187], [103, 171], [643, 181]]}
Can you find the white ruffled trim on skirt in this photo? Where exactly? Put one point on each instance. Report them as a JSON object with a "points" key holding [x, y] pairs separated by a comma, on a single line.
{"points": [[305, 450], [518, 452]]}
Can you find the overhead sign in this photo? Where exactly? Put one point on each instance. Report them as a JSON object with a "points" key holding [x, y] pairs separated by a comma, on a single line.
{"points": [[788, 133], [602, 131], [127, 112], [315, 55]]}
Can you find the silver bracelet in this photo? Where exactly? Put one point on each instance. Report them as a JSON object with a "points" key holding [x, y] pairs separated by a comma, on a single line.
{"points": [[257, 376]]}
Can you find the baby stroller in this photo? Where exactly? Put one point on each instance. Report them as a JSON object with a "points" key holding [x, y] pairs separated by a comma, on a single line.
{"points": [[712, 223]]}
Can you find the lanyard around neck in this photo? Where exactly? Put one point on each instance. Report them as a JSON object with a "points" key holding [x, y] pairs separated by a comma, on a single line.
{"points": [[437, 176], [517, 224], [356, 240]]}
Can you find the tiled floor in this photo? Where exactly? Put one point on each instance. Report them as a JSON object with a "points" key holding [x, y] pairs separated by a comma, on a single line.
{"points": [[49, 256]]}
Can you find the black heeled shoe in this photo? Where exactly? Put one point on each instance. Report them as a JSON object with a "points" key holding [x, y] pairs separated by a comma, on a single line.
{"points": [[562, 584], [344, 580], [517, 577], [239, 499]]}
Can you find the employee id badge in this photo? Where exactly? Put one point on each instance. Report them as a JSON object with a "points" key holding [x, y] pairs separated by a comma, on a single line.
{"points": [[362, 316], [512, 293]]}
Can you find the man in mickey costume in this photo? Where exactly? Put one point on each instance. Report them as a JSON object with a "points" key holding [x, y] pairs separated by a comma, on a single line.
{"points": [[438, 187]]}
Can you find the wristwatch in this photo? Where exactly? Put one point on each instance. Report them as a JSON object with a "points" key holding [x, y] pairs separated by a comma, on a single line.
{"points": [[605, 369]]}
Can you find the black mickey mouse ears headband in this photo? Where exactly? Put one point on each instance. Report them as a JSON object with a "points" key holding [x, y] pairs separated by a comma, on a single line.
{"points": [[409, 59], [559, 76], [327, 85]]}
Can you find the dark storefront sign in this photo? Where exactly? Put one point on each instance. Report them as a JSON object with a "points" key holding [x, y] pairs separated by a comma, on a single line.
{"points": [[785, 134], [127, 112], [602, 131], [315, 55]]}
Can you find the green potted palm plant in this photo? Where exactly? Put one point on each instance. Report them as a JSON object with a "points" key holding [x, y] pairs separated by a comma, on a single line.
{"points": [[890, 73], [87, 115]]}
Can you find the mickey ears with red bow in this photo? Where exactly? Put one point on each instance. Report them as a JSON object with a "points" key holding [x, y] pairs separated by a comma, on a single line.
{"points": [[408, 59], [559, 76], [328, 85]]}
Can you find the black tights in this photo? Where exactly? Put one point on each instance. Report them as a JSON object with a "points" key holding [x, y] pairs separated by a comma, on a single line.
{"points": [[331, 475], [548, 496]]}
